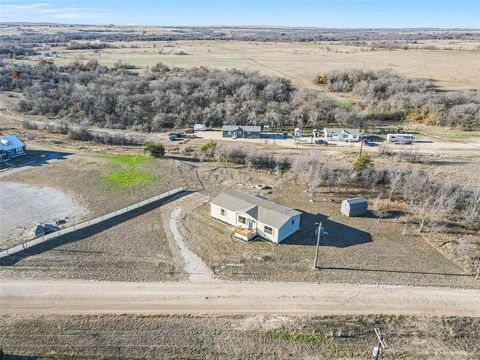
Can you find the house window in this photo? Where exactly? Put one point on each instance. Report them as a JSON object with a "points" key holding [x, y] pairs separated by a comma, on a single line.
{"points": [[222, 212], [268, 230], [293, 221], [242, 220]]}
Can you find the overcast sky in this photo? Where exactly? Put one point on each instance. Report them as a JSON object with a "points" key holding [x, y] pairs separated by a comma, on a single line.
{"points": [[320, 13]]}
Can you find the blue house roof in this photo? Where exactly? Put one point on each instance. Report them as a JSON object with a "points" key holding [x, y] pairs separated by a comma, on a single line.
{"points": [[10, 142]]}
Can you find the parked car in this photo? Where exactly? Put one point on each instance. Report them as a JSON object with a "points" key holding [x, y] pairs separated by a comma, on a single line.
{"points": [[320, 142]]}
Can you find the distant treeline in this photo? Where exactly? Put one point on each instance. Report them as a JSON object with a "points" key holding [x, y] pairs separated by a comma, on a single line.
{"points": [[165, 97], [111, 34]]}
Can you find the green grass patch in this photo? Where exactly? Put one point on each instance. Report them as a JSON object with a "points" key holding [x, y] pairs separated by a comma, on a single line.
{"points": [[344, 103], [128, 178], [128, 160], [310, 339]]}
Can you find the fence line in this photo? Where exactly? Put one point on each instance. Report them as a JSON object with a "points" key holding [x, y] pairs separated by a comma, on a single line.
{"points": [[75, 227]]}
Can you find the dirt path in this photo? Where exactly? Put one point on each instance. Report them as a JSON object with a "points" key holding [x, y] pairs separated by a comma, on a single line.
{"points": [[89, 297], [196, 269]]}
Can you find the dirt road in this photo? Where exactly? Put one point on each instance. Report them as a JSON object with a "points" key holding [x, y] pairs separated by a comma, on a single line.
{"points": [[87, 297]]}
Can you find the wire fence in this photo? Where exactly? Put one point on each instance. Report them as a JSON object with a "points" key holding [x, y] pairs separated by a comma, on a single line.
{"points": [[42, 239]]}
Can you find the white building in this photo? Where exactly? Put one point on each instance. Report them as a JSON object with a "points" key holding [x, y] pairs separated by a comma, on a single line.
{"points": [[340, 134], [200, 127], [253, 216]]}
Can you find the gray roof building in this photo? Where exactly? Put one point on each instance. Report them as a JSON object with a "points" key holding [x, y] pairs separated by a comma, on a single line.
{"points": [[263, 210], [244, 127]]}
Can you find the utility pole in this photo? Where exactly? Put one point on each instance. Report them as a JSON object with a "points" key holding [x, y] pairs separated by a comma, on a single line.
{"points": [[315, 264], [361, 147], [381, 344]]}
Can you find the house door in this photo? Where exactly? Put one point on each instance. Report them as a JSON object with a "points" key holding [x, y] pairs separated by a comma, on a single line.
{"points": [[251, 224], [239, 133], [234, 134]]}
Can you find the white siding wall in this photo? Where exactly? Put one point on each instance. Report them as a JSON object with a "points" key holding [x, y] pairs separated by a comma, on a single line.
{"points": [[260, 231], [230, 217], [288, 228]]}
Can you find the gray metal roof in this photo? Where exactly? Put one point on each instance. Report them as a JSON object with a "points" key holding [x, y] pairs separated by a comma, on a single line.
{"points": [[246, 128], [357, 202], [339, 130], [263, 210], [10, 142]]}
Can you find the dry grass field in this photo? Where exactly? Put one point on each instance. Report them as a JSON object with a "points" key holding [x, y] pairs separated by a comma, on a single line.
{"points": [[236, 337], [299, 62], [357, 250]]}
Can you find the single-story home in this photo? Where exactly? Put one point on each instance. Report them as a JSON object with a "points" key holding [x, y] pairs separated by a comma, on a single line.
{"points": [[11, 147], [354, 207], [253, 216], [340, 134], [240, 131]]}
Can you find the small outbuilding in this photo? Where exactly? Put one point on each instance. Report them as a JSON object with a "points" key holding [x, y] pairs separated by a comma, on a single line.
{"points": [[354, 207], [297, 133], [11, 147]]}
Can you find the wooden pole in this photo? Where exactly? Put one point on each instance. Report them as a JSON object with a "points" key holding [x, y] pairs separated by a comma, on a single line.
{"points": [[361, 147], [318, 245]]}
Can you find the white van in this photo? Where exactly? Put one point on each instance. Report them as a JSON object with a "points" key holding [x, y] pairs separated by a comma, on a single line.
{"points": [[401, 138]]}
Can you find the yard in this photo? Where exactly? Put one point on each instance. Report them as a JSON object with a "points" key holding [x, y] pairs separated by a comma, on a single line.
{"points": [[357, 250], [133, 248]]}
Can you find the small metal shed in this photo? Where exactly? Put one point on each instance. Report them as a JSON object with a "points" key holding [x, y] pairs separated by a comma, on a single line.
{"points": [[354, 207]]}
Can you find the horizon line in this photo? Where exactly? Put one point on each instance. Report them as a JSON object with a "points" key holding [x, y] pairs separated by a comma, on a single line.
{"points": [[241, 26]]}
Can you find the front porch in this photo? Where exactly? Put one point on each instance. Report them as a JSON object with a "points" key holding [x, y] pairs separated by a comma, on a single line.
{"points": [[245, 234]]}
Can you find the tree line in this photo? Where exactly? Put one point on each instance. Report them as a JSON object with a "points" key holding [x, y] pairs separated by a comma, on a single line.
{"points": [[165, 97], [170, 97], [385, 94]]}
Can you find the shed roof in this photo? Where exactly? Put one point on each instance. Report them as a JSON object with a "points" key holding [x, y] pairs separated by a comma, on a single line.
{"points": [[357, 202], [10, 142], [263, 210], [246, 128]]}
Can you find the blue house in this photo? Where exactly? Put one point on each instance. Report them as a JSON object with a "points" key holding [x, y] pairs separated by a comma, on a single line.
{"points": [[240, 131], [11, 147]]}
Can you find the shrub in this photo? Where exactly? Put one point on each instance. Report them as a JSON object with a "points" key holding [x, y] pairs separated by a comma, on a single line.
{"points": [[30, 125], [208, 148], [363, 162], [153, 149], [82, 134]]}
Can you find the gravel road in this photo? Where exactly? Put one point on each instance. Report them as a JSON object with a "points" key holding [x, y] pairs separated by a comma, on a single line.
{"points": [[89, 297]]}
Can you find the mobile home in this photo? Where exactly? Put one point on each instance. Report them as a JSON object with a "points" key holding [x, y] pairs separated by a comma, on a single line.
{"points": [[253, 216]]}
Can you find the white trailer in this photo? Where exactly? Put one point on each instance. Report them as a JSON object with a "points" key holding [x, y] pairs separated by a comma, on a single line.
{"points": [[401, 138], [199, 127]]}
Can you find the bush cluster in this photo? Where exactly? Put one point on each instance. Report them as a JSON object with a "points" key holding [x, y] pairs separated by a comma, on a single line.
{"points": [[384, 93]]}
